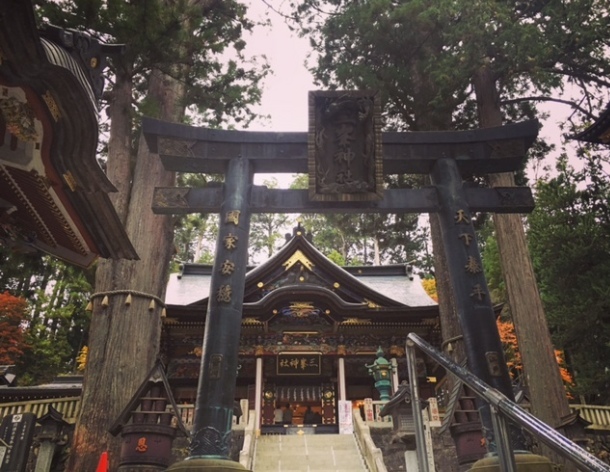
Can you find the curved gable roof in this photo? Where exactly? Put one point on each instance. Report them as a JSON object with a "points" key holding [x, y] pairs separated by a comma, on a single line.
{"points": [[300, 272]]}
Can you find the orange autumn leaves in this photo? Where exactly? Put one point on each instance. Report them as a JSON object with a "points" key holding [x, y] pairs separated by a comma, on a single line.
{"points": [[513, 356], [509, 341], [13, 312]]}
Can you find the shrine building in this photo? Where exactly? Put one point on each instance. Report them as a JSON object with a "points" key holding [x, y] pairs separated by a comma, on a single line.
{"points": [[309, 329], [54, 195]]}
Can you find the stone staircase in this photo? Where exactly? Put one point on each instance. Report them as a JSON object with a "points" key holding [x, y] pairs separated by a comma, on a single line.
{"points": [[308, 453]]}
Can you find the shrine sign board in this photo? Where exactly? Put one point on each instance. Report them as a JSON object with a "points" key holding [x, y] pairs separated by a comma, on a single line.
{"points": [[344, 146], [16, 433], [299, 364]]}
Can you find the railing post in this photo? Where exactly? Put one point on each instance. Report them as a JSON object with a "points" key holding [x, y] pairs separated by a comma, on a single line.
{"points": [[420, 439], [502, 435]]}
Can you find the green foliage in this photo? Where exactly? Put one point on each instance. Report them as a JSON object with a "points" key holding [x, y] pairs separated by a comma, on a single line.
{"points": [[199, 43], [422, 55], [336, 257], [56, 323], [49, 355], [267, 230], [569, 238], [493, 270]]}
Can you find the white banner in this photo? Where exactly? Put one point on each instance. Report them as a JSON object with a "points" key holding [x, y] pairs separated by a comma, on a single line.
{"points": [[346, 426]]}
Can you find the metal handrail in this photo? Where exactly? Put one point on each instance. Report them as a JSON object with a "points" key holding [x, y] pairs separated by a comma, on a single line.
{"points": [[502, 408]]}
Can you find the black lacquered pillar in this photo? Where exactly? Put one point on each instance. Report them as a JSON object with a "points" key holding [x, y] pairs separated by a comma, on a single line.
{"points": [[211, 436], [472, 301]]}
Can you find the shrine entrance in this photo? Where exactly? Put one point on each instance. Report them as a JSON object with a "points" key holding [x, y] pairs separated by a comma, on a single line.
{"points": [[346, 156], [308, 330]]}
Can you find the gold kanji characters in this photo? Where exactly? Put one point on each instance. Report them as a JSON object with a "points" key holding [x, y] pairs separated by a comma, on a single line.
{"points": [[472, 265], [478, 292], [232, 217], [227, 267], [230, 241], [461, 217], [467, 238], [224, 294]]}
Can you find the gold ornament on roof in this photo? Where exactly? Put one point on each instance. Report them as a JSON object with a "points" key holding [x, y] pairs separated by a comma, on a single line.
{"points": [[70, 180], [51, 105], [371, 304], [355, 321], [298, 256], [301, 309], [19, 118]]}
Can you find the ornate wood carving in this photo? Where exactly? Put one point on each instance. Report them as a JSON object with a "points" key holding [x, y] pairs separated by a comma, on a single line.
{"points": [[344, 146]]}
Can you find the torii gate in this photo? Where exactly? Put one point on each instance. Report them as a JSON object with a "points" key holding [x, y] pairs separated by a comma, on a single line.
{"points": [[342, 153]]}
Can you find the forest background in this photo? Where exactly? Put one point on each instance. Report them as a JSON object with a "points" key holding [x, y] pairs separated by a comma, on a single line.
{"points": [[539, 52]]}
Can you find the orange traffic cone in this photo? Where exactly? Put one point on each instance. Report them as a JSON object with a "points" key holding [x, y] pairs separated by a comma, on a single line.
{"points": [[102, 465]]}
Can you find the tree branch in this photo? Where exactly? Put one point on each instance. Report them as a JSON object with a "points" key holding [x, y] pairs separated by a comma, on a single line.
{"points": [[542, 98]]}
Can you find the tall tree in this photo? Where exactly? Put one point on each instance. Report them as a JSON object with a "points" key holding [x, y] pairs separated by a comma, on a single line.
{"points": [[572, 220], [176, 57], [267, 230]]}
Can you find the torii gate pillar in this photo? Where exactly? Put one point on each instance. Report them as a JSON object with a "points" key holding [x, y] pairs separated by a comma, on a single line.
{"points": [[211, 436]]}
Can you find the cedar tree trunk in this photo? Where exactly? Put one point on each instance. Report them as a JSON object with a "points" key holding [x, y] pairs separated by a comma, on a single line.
{"points": [[547, 393], [124, 338]]}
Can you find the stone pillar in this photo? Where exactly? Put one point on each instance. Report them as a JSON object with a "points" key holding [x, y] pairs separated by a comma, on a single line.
{"points": [[258, 392], [395, 382], [341, 379]]}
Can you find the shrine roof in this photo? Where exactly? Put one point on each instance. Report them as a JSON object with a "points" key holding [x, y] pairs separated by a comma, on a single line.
{"points": [[406, 289], [192, 285], [391, 286], [53, 192]]}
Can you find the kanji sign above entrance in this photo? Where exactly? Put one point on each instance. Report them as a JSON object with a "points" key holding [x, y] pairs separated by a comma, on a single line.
{"points": [[291, 363]]}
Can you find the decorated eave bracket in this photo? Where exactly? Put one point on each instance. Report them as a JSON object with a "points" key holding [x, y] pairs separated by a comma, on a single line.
{"points": [[477, 152]]}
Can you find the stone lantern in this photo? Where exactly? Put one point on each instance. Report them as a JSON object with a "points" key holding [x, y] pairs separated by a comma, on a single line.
{"points": [[381, 370], [148, 425], [53, 433]]}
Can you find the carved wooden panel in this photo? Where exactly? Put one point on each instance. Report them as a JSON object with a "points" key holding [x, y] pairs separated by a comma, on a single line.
{"points": [[344, 146]]}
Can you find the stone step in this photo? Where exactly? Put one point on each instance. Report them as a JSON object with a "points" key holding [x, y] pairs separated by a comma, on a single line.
{"points": [[308, 453]]}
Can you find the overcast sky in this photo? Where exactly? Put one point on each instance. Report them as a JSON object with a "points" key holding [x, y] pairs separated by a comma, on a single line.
{"points": [[285, 91]]}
